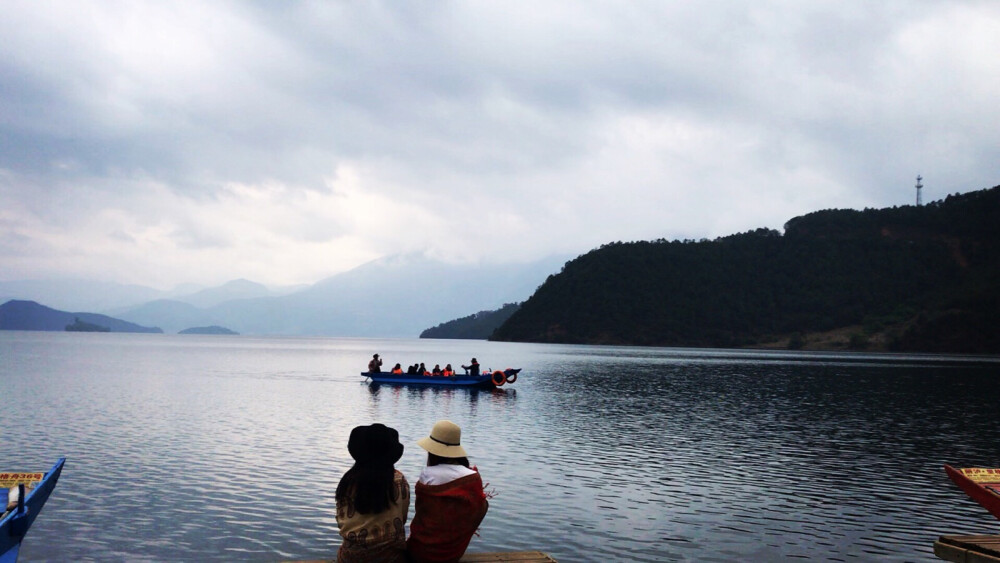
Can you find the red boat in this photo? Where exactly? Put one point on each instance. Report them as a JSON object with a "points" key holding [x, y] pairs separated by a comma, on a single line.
{"points": [[982, 484]]}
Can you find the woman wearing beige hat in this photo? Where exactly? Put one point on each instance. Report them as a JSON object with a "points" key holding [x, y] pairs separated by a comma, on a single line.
{"points": [[450, 501]]}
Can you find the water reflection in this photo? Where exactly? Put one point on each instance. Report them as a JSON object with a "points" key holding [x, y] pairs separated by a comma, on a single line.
{"points": [[841, 456], [419, 392]]}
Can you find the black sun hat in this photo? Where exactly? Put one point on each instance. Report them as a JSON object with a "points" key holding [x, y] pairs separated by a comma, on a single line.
{"points": [[375, 443]]}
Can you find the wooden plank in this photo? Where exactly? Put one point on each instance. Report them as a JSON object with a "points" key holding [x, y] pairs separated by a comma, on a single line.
{"points": [[989, 544], [949, 552], [968, 549]]}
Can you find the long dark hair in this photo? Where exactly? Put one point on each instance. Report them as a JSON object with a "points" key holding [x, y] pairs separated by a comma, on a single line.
{"points": [[368, 488], [438, 460]]}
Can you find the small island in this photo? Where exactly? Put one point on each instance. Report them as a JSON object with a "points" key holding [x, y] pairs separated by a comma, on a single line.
{"points": [[80, 326], [208, 330]]}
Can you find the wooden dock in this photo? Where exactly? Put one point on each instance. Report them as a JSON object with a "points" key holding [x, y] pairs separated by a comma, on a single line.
{"points": [[968, 549], [501, 557]]}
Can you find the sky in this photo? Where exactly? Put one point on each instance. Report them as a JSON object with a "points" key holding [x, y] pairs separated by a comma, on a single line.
{"points": [[161, 143]]}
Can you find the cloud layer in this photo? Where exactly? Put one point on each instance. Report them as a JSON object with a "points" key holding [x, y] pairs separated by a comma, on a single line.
{"points": [[158, 143]]}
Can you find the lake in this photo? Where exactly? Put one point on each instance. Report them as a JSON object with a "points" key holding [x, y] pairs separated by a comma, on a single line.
{"points": [[230, 448]]}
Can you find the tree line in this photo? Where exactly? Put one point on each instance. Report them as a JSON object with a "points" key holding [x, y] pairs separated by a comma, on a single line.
{"points": [[478, 326], [922, 278]]}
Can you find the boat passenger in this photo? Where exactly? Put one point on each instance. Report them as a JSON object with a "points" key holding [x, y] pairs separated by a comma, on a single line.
{"points": [[436, 370], [397, 369], [375, 365], [447, 371], [423, 370], [373, 498], [472, 369], [450, 501], [411, 370]]}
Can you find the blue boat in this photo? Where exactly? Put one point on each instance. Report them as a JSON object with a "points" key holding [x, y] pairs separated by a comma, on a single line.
{"points": [[488, 380], [15, 523]]}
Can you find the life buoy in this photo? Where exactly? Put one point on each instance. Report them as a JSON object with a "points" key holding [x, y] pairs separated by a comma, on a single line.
{"points": [[511, 375], [498, 378]]}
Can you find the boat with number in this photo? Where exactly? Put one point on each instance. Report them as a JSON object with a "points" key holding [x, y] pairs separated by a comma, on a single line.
{"points": [[493, 379], [980, 483], [26, 493]]}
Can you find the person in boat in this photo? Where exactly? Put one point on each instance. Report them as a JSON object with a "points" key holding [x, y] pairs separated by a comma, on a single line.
{"points": [[375, 365], [436, 370], [447, 371], [411, 370], [422, 370], [397, 369], [450, 500], [472, 369], [373, 498]]}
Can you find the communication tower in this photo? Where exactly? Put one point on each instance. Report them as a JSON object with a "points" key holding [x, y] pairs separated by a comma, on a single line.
{"points": [[919, 187]]}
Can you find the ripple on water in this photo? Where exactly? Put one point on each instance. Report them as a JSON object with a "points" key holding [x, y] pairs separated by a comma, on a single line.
{"points": [[229, 449]]}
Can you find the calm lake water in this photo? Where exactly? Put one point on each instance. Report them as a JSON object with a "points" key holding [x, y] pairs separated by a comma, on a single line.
{"points": [[230, 448]]}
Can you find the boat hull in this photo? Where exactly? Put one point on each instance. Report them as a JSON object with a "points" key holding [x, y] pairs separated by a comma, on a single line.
{"points": [[982, 485], [483, 381], [15, 525]]}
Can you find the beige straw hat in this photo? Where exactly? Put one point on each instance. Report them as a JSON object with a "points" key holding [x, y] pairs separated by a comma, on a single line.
{"points": [[445, 440]]}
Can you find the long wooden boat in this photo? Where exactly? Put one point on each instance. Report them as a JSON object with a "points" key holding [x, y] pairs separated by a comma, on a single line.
{"points": [[982, 484], [33, 489], [486, 380]]}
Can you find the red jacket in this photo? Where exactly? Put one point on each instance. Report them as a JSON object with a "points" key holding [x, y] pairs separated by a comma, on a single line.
{"points": [[445, 518]]}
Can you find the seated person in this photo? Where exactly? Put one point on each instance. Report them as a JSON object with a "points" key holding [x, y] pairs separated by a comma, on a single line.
{"points": [[397, 369], [472, 369], [436, 370], [450, 500], [373, 498], [447, 371]]}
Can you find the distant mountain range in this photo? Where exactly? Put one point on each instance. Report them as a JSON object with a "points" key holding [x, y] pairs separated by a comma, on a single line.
{"points": [[107, 297], [398, 296], [923, 279], [28, 315]]}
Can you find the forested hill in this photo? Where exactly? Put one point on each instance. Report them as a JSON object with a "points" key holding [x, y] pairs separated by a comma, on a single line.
{"points": [[473, 327], [907, 278]]}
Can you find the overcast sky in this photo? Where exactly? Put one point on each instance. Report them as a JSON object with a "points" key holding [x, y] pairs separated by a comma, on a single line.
{"points": [[284, 142]]}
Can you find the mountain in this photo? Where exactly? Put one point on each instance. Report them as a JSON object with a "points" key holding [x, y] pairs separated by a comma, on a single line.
{"points": [[906, 278], [236, 289], [114, 298], [473, 327], [397, 296], [193, 309], [172, 315], [28, 315], [393, 297], [78, 295]]}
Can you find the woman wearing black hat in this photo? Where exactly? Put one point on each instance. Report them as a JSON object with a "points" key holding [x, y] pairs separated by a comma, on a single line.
{"points": [[373, 498]]}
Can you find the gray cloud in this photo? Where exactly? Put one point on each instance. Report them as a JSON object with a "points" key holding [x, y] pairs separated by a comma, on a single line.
{"points": [[199, 132]]}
